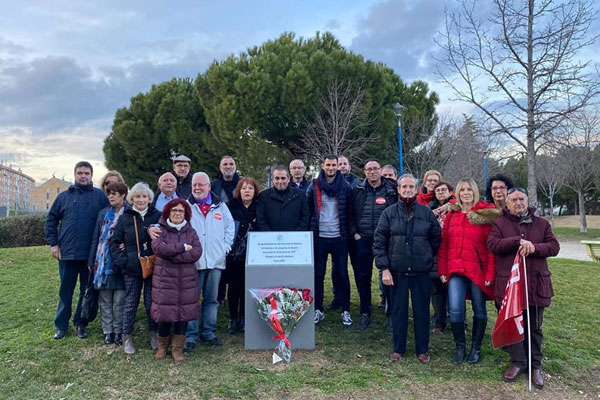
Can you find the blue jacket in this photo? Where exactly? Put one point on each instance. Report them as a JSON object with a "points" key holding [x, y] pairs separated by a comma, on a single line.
{"points": [[345, 209], [76, 210]]}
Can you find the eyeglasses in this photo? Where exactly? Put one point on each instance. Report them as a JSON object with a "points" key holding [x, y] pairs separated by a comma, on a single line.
{"points": [[496, 188], [177, 210], [374, 169], [516, 189]]}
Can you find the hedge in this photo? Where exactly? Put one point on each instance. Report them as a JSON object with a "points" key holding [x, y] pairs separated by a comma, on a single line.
{"points": [[22, 231]]}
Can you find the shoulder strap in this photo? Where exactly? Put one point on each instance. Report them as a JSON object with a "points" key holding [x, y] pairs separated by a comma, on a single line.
{"points": [[137, 239]]}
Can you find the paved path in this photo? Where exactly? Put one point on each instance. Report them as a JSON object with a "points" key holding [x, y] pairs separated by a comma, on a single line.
{"points": [[574, 250]]}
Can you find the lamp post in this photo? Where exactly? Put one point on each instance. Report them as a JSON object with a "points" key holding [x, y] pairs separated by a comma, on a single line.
{"points": [[398, 111], [485, 169]]}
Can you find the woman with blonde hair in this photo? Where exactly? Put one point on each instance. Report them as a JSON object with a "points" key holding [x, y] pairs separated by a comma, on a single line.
{"points": [[466, 265], [111, 177]]}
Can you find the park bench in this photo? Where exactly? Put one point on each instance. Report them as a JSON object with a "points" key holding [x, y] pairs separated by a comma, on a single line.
{"points": [[593, 249]]}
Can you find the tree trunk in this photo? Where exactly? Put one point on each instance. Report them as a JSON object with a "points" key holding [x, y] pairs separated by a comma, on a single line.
{"points": [[582, 219], [531, 177], [552, 211]]}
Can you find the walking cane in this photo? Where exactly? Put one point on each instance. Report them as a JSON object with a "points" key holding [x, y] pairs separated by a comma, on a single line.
{"points": [[528, 322]]}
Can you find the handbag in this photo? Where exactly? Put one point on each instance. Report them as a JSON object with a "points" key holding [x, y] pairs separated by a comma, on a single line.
{"points": [[238, 252], [89, 303], [146, 262]]}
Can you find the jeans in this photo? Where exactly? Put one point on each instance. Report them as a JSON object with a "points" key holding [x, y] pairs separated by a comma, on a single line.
{"points": [[363, 271], [208, 281], [338, 248], [111, 302], [457, 290], [420, 291], [69, 271]]}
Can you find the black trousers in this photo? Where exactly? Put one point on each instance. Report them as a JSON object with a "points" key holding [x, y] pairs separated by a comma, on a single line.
{"points": [[439, 295], [419, 287], [235, 288], [518, 352], [179, 327]]}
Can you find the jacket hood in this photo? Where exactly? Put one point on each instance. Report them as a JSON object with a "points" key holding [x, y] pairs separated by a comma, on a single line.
{"points": [[481, 213]]}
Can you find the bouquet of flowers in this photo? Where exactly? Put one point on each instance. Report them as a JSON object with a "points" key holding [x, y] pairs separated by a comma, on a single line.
{"points": [[281, 308]]}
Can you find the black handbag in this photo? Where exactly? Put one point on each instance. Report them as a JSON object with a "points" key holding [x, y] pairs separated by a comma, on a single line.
{"points": [[238, 251], [89, 303]]}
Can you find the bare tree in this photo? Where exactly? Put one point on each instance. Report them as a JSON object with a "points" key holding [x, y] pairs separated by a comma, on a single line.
{"points": [[337, 124], [551, 177], [519, 66], [580, 157]]}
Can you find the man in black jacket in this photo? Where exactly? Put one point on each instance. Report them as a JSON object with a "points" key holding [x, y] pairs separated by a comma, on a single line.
{"points": [[282, 208], [224, 184], [406, 240], [297, 170], [69, 228], [181, 170], [371, 197]]}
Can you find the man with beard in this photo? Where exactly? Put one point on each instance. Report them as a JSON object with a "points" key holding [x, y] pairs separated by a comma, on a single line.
{"points": [[224, 184], [330, 207], [344, 167], [181, 170], [282, 208]]}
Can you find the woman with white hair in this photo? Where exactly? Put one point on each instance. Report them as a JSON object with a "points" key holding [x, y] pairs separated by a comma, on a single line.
{"points": [[124, 250]]}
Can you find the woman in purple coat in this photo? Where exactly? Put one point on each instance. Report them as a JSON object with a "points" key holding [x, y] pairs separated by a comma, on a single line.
{"points": [[175, 293]]}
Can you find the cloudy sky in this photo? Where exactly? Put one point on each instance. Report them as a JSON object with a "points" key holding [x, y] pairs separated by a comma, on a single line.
{"points": [[67, 66]]}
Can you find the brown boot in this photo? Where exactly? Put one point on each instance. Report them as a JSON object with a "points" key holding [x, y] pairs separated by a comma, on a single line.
{"points": [[163, 346], [177, 348]]}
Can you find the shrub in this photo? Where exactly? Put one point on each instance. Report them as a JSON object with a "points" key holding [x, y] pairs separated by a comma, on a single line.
{"points": [[22, 231]]}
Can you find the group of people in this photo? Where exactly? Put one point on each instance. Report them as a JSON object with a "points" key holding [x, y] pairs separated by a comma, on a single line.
{"points": [[435, 243]]}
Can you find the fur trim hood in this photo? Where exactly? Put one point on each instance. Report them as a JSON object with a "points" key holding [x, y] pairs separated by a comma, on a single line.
{"points": [[481, 213]]}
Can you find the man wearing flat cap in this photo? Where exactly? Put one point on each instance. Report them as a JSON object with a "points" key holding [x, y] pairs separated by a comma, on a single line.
{"points": [[181, 170]]}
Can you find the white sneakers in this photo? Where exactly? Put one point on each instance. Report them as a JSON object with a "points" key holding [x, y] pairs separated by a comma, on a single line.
{"points": [[319, 316], [346, 319]]}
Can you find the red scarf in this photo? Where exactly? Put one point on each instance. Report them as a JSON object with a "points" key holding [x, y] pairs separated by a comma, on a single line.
{"points": [[424, 197]]}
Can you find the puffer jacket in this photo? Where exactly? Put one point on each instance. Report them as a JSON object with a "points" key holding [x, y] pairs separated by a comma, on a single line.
{"points": [[216, 232], [175, 292], [127, 259], [504, 241], [406, 244], [369, 203], [463, 250], [314, 196], [76, 210]]}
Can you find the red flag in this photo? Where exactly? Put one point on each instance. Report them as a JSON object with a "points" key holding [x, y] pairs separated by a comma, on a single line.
{"points": [[509, 327]]}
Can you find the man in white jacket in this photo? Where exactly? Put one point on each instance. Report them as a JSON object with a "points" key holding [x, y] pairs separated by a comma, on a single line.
{"points": [[215, 227]]}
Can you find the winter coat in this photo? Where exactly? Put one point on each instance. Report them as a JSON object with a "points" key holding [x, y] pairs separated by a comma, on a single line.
{"points": [[76, 210], [215, 231], [244, 219], [114, 281], [369, 203], [406, 244], [216, 186], [184, 186], [425, 197], [282, 211], [352, 180], [127, 259], [345, 209], [175, 292], [463, 250], [304, 184], [503, 241]]}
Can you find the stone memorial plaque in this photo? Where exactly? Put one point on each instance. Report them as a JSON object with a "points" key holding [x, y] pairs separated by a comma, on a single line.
{"points": [[275, 259]]}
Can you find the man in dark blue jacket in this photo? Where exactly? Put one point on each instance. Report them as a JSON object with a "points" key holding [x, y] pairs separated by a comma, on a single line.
{"points": [[75, 210], [330, 208], [406, 239]]}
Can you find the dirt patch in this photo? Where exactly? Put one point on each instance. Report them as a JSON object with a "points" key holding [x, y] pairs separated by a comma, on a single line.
{"points": [[572, 221]]}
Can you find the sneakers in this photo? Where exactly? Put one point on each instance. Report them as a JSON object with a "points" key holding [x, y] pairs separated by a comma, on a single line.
{"points": [[59, 334], [319, 316], [128, 346], [365, 321], [214, 341], [346, 319]]}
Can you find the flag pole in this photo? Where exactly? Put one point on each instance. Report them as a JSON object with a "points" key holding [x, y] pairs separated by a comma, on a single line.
{"points": [[528, 322]]}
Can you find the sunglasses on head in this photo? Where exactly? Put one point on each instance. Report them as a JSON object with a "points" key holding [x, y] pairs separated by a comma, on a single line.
{"points": [[516, 189]]}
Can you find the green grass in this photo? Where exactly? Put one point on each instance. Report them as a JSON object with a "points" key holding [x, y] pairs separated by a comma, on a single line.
{"points": [[573, 233], [346, 363]]}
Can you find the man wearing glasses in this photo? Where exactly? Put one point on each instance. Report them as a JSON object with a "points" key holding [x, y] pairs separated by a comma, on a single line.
{"points": [[297, 170]]}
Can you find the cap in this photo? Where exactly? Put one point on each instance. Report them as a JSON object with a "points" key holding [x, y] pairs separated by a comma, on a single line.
{"points": [[181, 158]]}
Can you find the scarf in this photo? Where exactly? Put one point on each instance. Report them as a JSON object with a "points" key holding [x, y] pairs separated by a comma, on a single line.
{"points": [[525, 218], [176, 226], [424, 197], [104, 264], [334, 188], [408, 203], [142, 213]]}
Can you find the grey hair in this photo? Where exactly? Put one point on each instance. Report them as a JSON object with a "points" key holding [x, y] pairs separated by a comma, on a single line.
{"points": [[410, 176], [139, 188], [165, 174], [201, 175], [297, 159]]}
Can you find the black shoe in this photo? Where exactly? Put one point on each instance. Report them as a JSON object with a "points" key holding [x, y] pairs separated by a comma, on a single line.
{"points": [[82, 332], [233, 327], [334, 305], [59, 334], [214, 341], [365, 321], [118, 339], [189, 347], [109, 338]]}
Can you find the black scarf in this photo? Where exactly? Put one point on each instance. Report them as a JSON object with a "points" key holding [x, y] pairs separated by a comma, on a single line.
{"points": [[334, 188]]}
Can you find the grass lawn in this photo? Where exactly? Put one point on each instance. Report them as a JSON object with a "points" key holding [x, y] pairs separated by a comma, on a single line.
{"points": [[563, 232], [346, 363]]}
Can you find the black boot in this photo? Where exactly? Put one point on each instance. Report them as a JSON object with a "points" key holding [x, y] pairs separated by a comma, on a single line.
{"points": [[478, 332], [458, 330], [233, 326], [241, 324]]}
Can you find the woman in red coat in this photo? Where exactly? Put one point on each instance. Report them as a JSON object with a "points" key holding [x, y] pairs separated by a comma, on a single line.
{"points": [[465, 263], [175, 293]]}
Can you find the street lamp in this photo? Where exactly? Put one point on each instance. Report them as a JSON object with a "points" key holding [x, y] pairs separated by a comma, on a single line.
{"points": [[398, 110], [485, 153]]}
